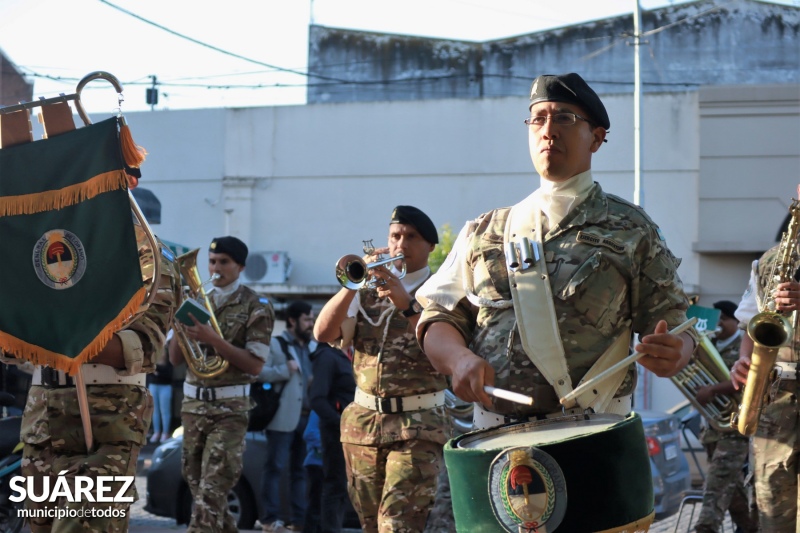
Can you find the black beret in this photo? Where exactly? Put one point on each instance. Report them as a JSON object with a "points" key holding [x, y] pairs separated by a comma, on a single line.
{"points": [[727, 307], [231, 246], [406, 214], [133, 171], [571, 89]]}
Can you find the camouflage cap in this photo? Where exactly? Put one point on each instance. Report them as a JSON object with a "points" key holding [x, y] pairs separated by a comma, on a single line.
{"points": [[571, 89]]}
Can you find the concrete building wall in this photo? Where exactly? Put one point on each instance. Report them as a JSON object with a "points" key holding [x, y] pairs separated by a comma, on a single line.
{"points": [[685, 46], [749, 172], [13, 86]]}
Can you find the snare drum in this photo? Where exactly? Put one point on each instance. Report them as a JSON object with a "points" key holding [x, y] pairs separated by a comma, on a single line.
{"points": [[576, 474]]}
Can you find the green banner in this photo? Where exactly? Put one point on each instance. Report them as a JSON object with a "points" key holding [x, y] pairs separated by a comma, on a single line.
{"points": [[707, 317], [71, 275]]}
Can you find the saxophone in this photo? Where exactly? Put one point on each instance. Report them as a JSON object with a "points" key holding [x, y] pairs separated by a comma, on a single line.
{"points": [[770, 331]]}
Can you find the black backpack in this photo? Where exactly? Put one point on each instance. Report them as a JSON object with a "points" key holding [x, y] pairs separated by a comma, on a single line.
{"points": [[267, 399]]}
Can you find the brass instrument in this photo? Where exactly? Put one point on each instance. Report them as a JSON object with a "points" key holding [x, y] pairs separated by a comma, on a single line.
{"points": [[770, 331], [352, 271], [196, 359], [707, 368]]}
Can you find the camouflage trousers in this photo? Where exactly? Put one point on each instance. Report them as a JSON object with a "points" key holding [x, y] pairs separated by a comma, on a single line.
{"points": [[775, 462], [392, 486], [55, 448], [724, 489], [213, 447]]}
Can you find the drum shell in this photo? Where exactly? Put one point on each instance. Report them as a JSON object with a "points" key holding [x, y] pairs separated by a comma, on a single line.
{"points": [[608, 477]]}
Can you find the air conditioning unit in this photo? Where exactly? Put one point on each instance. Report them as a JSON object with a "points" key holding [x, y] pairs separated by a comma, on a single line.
{"points": [[268, 267]]}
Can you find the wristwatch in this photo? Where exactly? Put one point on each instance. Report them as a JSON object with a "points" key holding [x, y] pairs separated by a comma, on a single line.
{"points": [[413, 309]]}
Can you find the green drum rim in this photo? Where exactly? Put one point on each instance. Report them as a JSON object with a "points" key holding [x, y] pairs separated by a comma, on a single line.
{"points": [[603, 491]]}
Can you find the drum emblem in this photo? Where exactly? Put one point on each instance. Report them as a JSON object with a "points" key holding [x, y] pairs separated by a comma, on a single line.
{"points": [[527, 490], [59, 259]]}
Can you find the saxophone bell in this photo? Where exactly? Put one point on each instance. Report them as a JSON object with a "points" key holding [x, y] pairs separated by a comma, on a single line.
{"points": [[770, 332]]}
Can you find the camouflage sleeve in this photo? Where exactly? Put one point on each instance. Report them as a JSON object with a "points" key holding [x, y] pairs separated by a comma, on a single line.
{"points": [[259, 328], [658, 292], [144, 339], [462, 318]]}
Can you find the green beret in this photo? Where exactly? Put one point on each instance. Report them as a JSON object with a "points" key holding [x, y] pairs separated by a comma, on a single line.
{"points": [[570, 89], [231, 246], [406, 214]]}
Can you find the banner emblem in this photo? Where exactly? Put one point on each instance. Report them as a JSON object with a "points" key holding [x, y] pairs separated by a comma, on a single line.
{"points": [[59, 259], [527, 490]]}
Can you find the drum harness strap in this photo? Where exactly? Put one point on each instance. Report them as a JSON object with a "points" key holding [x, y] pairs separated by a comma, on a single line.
{"points": [[535, 313]]}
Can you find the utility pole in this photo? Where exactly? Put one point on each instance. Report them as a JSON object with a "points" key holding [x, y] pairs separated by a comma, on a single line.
{"points": [[152, 93], [638, 192], [643, 390]]}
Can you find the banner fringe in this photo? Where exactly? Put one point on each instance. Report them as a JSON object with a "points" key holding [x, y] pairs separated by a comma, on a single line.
{"points": [[28, 204], [42, 357], [133, 154]]}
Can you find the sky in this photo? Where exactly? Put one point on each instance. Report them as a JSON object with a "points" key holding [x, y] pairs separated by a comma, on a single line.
{"points": [[240, 53]]}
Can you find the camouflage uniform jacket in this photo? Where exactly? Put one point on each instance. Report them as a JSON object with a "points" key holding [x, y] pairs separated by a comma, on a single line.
{"points": [[142, 343], [246, 320], [394, 367], [610, 270]]}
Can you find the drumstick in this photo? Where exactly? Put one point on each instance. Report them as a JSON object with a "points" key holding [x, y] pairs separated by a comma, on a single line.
{"points": [[632, 358], [508, 395]]}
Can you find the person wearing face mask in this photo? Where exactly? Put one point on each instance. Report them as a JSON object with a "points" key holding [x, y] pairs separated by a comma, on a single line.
{"points": [[215, 409], [609, 274], [392, 434]]}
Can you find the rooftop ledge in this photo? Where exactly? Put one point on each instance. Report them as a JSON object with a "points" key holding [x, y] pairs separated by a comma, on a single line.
{"points": [[732, 247]]}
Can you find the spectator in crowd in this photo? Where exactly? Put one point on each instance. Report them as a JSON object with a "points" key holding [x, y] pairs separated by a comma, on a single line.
{"points": [[314, 475], [160, 385], [290, 362], [332, 389]]}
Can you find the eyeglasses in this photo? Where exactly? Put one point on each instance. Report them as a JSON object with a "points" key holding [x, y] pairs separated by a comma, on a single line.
{"points": [[559, 119]]}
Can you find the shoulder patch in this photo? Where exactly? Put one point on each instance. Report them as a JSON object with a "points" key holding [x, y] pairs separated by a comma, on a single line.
{"points": [[264, 300], [597, 240], [167, 253], [661, 235]]}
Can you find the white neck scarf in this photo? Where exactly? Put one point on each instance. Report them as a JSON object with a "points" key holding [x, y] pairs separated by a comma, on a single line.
{"points": [[221, 294], [556, 199]]}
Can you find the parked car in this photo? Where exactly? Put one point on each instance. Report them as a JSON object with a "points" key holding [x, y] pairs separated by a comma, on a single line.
{"points": [[691, 426], [668, 465], [168, 493]]}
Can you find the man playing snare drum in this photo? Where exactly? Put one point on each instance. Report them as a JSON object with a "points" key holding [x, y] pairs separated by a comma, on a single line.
{"points": [[587, 270]]}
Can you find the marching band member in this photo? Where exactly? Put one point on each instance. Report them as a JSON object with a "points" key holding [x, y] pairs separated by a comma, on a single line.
{"points": [[608, 274], [392, 434], [215, 409], [120, 408]]}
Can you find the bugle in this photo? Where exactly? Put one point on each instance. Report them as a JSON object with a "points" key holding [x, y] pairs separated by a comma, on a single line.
{"points": [[199, 363], [352, 271]]}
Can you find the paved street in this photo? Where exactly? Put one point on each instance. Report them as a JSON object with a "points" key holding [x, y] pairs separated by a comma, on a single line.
{"points": [[144, 522]]}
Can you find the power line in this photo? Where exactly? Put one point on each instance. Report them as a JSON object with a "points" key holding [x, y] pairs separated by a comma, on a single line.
{"points": [[217, 49]]}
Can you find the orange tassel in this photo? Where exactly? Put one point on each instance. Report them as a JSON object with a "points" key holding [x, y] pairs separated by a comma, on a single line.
{"points": [[132, 153]]}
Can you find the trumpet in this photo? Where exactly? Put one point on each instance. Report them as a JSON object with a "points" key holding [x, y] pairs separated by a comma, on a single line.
{"points": [[352, 271]]}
